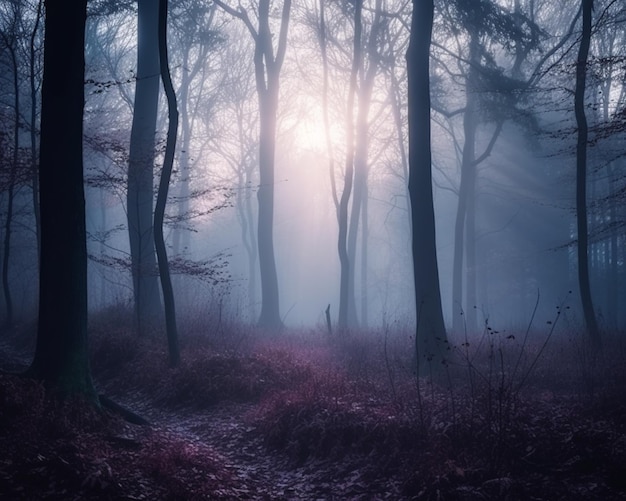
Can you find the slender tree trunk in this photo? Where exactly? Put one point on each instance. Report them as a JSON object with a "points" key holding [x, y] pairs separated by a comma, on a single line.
{"points": [[33, 128], [253, 251], [470, 253], [581, 177], [613, 266], [329, 147], [180, 244], [361, 168], [397, 117], [466, 192], [267, 68], [359, 193], [246, 213], [159, 211], [267, 74], [270, 316], [6, 288], [61, 356], [611, 270], [430, 339], [103, 229], [342, 243], [140, 170], [364, 261]]}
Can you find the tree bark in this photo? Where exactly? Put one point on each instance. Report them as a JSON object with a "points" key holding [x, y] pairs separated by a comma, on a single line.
{"points": [[140, 170], [166, 174], [61, 356], [581, 177], [430, 339]]}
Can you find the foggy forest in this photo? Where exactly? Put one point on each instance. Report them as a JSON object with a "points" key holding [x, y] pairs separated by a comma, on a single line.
{"points": [[313, 249]]}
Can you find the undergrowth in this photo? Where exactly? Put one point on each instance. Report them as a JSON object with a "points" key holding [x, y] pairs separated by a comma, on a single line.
{"points": [[69, 449], [511, 415]]}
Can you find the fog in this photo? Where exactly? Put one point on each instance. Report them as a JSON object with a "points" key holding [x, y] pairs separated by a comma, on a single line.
{"points": [[523, 204]]}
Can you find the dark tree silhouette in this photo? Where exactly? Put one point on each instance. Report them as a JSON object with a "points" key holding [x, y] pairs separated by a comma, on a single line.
{"points": [[430, 339], [33, 81], [10, 42], [140, 168], [581, 175], [166, 174], [61, 357]]}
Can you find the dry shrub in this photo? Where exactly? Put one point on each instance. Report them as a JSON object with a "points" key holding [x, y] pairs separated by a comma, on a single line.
{"points": [[184, 469], [329, 417]]}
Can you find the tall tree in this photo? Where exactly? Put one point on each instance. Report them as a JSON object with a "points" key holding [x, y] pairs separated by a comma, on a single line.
{"points": [[342, 242], [368, 70], [267, 67], [10, 42], [581, 175], [61, 357], [490, 96], [166, 174], [430, 339], [33, 53], [238, 145], [140, 192]]}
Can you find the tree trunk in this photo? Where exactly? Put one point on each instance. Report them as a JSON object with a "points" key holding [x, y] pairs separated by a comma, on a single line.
{"points": [[270, 309], [180, 244], [140, 169], [6, 288], [267, 73], [361, 168], [61, 356], [246, 215], [33, 127], [329, 149], [581, 177], [159, 211], [359, 193], [613, 264], [364, 261], [466, 191], [430, 339], [342, 242], [245, 211], [470, 253], [267, 68]]}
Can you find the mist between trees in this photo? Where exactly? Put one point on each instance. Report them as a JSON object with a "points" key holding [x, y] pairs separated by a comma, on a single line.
{"points": [[293, 144]]}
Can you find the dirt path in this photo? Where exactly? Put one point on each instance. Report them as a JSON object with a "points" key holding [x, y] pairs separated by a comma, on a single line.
{"points": [[264, 476], [228, 429]]}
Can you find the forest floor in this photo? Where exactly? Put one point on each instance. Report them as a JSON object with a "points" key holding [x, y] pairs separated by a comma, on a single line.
{"points": [[297, 416]]}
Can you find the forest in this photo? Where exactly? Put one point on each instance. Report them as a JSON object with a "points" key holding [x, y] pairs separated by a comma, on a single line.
{"points": [[313, 249]]}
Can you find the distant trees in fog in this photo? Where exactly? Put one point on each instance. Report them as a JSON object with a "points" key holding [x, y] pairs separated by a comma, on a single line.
{"points": [[510, 99]]}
